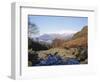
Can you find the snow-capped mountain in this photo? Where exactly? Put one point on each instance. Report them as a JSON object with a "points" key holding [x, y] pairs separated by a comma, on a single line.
{"points": [[50, 37]]}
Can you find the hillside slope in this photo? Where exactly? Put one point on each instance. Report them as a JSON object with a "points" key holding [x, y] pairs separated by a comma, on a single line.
{"points": [[79, 39]]}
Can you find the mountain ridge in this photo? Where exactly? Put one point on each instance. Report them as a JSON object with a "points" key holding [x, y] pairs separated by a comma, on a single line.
{"points": [[50, 37]]}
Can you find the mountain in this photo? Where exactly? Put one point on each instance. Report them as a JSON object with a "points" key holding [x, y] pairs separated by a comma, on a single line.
{"points": [[50, 37], [79, 39], [45, 37]]}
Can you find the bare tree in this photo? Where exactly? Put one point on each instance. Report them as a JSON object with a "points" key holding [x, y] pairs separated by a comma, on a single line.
{"points": [[32, 29]]}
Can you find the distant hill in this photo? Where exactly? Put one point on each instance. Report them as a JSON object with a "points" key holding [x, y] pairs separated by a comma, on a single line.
{"points": [[48, 38], [79, 39], [61, 40]]}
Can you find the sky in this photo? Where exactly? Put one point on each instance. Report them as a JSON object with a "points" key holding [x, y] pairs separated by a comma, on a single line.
{"points": [[58, 24]]}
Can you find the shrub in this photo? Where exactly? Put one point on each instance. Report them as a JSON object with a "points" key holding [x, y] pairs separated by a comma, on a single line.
{"points": [[72, 61], [52, 59], [33, 57], [36, 46]]}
